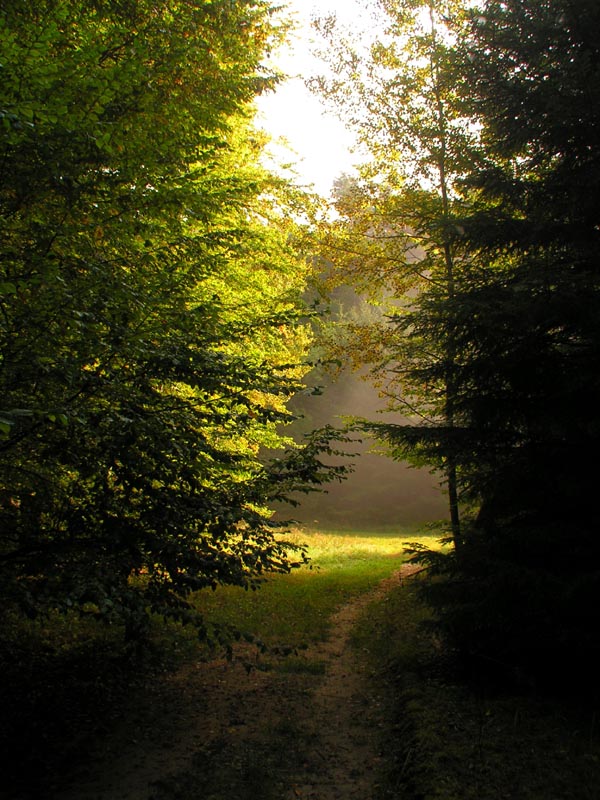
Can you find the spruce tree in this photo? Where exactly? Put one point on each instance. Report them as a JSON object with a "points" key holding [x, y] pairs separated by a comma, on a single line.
{"points": [[527, 330]]}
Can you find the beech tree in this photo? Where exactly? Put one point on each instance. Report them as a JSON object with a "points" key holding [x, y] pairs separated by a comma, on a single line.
{"points": [[151, 325]]}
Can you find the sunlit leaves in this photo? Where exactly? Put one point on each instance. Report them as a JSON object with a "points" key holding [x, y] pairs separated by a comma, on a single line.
{"points": [[395, 238], [151, 276]]}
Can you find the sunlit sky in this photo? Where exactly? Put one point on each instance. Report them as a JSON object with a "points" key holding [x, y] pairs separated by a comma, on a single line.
{"points": [[319, 143]]}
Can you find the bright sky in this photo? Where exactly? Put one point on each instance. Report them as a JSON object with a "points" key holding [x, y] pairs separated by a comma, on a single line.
{"points": [[319, 142]]}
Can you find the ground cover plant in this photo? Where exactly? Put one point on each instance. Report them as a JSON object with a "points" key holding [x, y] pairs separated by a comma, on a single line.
{"points": [[293, 614], [450, 738], [443, 737], [294, 610]]}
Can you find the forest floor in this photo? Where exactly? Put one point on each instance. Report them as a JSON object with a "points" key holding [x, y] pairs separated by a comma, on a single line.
{"points": [[373, 705], [308, 727]]}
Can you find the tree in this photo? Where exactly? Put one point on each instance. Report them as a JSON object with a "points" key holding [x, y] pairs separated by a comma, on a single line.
{"points": [[151, 322], [526, 328], [394, 236], [495, 343]]}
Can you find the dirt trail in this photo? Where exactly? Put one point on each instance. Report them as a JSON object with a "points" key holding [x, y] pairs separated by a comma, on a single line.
{"points": [[344, 718], [213, 730]]}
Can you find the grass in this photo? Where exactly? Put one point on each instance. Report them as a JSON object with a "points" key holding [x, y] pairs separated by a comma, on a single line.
{"points": [[442, 739], [76, 673], [289, 610], [295, 610]]}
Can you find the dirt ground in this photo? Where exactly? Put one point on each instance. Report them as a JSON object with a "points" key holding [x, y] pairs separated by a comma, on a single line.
{"points": [[311, 729]]}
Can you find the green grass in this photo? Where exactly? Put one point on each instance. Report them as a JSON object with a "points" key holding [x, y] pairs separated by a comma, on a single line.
{"points": [[288, 610], [65, 673], [295, 610], [442, 740]]}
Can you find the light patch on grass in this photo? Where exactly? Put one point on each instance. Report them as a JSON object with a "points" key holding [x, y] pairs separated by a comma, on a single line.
{"points": [[328, 547], [295, 609]]}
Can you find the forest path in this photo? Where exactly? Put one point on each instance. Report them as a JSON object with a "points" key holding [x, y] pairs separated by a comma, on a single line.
{"points": [[344, 719], [215, 731]]}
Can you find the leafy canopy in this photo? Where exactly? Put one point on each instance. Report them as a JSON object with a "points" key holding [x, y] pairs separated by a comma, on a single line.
{"points": [[151, 325]]}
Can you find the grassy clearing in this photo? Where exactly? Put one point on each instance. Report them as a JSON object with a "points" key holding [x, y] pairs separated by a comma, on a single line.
{"points": [[447, 741], [291, 610], [295, 610]]}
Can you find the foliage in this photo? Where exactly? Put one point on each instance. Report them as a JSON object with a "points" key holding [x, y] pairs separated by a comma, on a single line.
{"points": [[151, 323], [395, 237], [479, 228], [522, 595]]}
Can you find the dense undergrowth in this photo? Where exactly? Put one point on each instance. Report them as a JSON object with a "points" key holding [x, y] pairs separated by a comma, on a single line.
{"points": [[449, 738]]}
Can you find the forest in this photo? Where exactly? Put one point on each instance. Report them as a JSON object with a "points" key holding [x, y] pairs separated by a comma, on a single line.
{"points": [[169, 305]]}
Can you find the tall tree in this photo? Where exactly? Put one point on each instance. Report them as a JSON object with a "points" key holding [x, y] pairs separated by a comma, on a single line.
{"points": [[527, 332], [533, 228], [393, 238], [496, 341], [150, 329]]}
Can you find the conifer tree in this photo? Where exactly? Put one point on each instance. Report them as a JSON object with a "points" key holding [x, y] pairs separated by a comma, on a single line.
{"points": [[526, 328]]}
